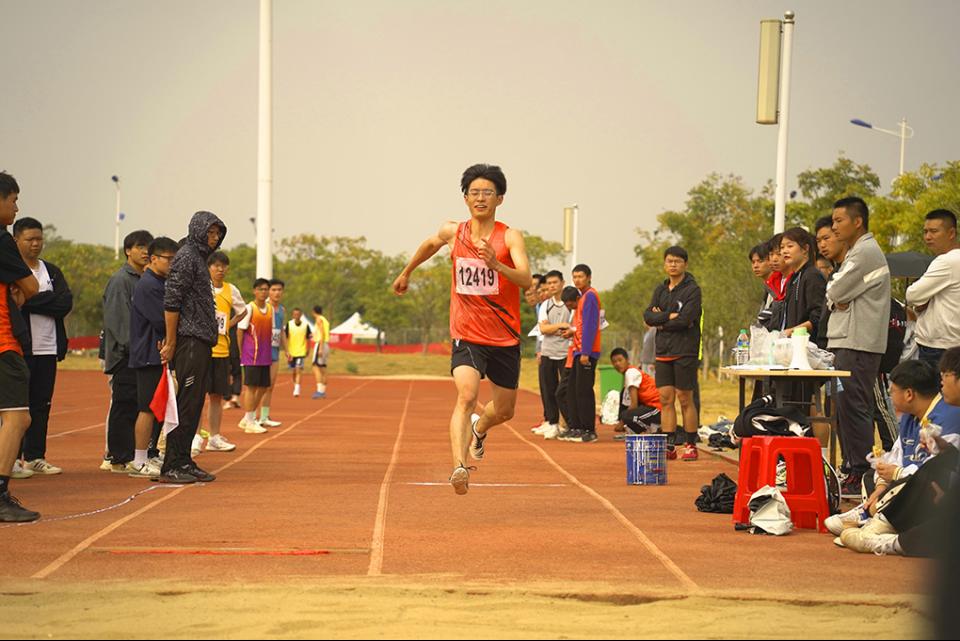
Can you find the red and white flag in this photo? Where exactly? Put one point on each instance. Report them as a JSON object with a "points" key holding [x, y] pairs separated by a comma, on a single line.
{"points": [[164, 403]]}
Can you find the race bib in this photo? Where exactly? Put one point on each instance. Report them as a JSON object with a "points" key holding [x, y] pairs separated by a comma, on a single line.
{"points": [[474, 278], [276, 337], [221, 323]]}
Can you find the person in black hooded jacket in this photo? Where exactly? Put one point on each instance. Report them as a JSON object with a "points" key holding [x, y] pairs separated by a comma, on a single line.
{"points": [[191, 334]]}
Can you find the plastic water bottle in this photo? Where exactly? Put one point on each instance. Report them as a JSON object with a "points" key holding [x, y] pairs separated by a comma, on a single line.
{"points": [[743, 347]]}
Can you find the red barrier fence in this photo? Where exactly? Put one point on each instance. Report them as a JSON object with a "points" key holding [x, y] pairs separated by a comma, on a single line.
{"points": [[93, 342]]}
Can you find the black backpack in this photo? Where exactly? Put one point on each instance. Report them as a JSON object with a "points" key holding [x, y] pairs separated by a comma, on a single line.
{"points": [[896, 332]]}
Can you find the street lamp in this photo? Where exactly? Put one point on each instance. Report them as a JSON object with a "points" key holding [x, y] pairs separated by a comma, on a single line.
{"points": [[904, 133], [118, 217]]}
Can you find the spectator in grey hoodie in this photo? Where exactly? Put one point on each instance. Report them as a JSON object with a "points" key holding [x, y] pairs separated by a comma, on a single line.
{"points": [[858, 297], [191, 334]]}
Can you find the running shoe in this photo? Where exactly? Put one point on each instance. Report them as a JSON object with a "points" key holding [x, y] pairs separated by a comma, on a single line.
{"points": [[251, 427], [476, 443], [146, 471], [689, 453], [266, 422], [552, 433], [105, 465], [837, 523], [852, 487], [40, 466], [317, 395], [123, 468], [573, 436], [541, 428], [460, 479], [19, 471], [11, 511], [588, 436], [863, 540], [201, 475], [217, 443], [178, 476], [671, 453], [197, 446]]}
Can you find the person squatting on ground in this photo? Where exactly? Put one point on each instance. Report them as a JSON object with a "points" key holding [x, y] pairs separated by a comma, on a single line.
{"points": [[490, 268], [675, 311], [45, 343], [17, 285], [191, 321], [639, 399], [254, 332], [148, 327], [117, 299], [230, 310]]}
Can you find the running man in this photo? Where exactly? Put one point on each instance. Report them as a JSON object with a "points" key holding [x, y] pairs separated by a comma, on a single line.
{"points": [[490, 268], [298, 335], [321, 351]]}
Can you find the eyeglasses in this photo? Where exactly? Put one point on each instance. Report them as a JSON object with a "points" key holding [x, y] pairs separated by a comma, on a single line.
{"points": [[486, 193], [166, 256]]}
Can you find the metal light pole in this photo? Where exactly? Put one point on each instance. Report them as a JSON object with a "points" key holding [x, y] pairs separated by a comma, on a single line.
{"points": [[780, 206], [116, 220], [905, 132], [571, 218], [265, 147]]}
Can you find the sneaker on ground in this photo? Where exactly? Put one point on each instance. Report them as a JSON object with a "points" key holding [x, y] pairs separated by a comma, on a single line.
{"points": [[178, 476], [863, 540], [146, 471], [156, 461], [460, 479], [852, 487], [539, 429], [123, 468], [197, 445], [671, 453], [689, 453], [218, 443], [317, 395], [251, 427], [476, 443], [12, 512], [19, 471], [40, 466], [839, 522], [588, 436], [619, 437], [106, 465], [573, 436], [879, 525], [266, 422], [551, 433], [201, 475]]}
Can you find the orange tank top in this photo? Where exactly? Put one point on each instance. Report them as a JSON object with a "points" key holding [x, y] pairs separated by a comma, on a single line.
{"points": [[484, 306]]}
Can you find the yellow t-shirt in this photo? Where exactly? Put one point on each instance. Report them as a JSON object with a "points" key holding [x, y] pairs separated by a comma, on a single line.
{"points": [[323, 330]]}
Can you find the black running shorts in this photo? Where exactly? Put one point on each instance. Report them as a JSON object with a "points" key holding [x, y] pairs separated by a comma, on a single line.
{"points": [[681, 373], [256, 375], [147, 380], [220, 377], [14, 382], [500, 364]]}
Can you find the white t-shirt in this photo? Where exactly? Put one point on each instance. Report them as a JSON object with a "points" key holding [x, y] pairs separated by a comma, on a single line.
{"points": [[43, 329], [939, 288], [631, 378], [555, 346]]}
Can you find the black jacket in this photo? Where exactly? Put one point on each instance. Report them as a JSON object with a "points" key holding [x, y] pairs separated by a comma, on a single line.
{"points": [[680, 336], [806, 293], [147, 323], [189, 290], [56, 304]]}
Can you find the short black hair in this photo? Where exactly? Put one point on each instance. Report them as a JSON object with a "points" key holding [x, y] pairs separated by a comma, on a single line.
{"points": [[554, 273], [23, 224], [139, 237], [619, 351], [678, 252], [774, 243], [758, 250], [317, 309], [855, 207], [8, 185], [277, 281], [948, 217], [162, 244], [218, 257], [488, 172], [919, 376], [296, 309], [950, 361], [570, 294], [538, 277], [825, 221], [583, 269], [260, 282]]}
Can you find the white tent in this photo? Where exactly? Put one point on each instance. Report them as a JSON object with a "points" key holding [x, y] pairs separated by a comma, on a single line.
{"points": [[356, 327]]}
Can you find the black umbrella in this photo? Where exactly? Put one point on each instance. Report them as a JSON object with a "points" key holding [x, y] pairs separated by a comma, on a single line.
{"points": [[908, 264]]}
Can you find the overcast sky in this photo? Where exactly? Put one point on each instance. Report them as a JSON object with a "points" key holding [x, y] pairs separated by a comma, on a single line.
{"points": [[379, 105]]}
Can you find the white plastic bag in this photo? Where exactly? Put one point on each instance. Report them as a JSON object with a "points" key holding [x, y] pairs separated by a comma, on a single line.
{"points": [[610, 409], [770, 513], [760, 344]]}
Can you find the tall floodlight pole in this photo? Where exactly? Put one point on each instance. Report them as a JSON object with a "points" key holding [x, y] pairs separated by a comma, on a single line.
{"points": [[776, 49], [116, 220], [571, 217], [264, 220]]}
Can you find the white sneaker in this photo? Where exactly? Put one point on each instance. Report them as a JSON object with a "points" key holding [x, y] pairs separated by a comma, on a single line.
{"points": [[879, 525], [124, 468], [839, 522], [197, 445], [40, 466], [476, 442], [460, 480], [217, 443], [863, 540], [250, 427], [146, 471], [105, 465], [540, 429], [551, 433], [156, 461], [19, 471], [266, 422]]}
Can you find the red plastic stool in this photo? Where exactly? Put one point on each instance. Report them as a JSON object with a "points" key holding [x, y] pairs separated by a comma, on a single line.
{"points": [[806, 492]]}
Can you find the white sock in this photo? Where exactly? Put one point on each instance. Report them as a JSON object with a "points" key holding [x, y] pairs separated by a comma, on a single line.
{"points": [[250, 417], [296, 388], [139, 457], [321, 387]]}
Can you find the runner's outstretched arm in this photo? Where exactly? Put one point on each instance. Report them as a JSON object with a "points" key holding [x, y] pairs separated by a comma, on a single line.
{"points": [[427, 249]]}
